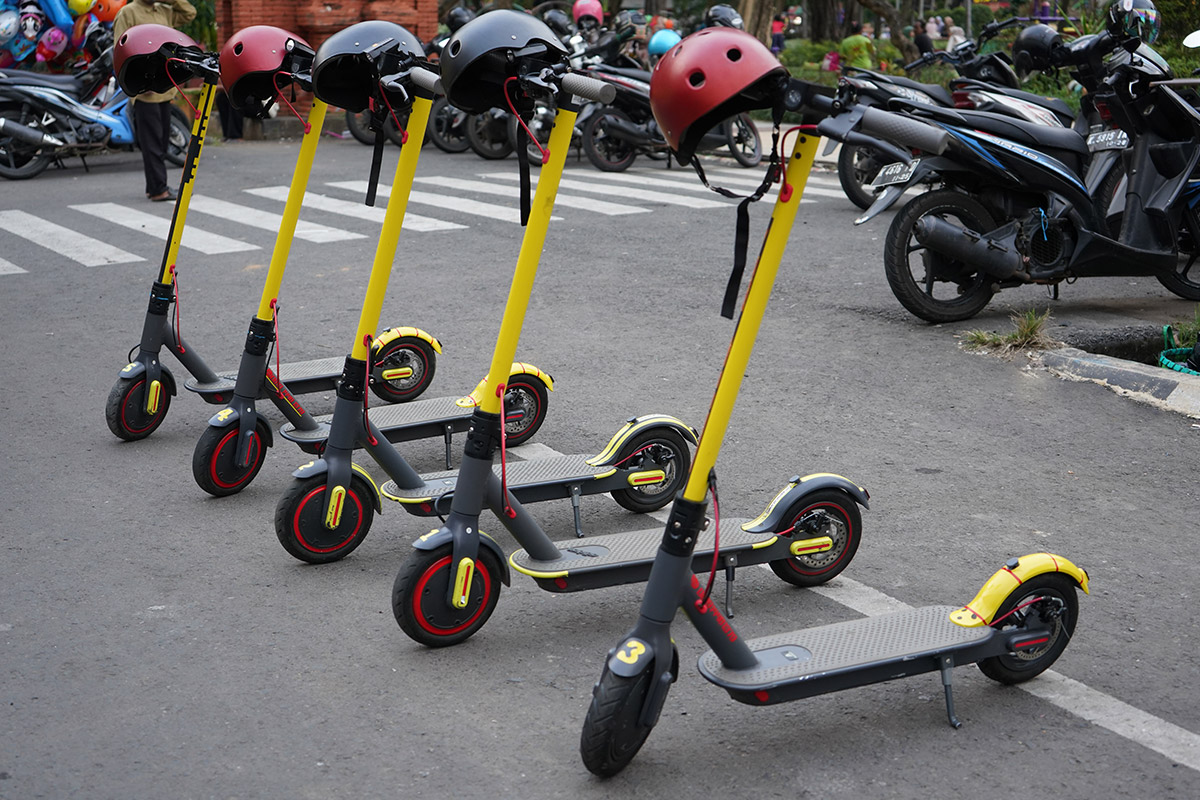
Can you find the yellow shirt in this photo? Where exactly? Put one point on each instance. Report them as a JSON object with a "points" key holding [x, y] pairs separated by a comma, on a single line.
{"points": [[143, 12]]}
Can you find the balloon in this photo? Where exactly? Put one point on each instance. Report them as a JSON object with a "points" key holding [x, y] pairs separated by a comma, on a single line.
{"points": [[79, 30], [51, 45]]}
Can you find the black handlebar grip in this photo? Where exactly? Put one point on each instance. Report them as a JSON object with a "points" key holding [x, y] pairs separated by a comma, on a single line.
{"points": [[904, 130], [589, 88], [426, 79]]}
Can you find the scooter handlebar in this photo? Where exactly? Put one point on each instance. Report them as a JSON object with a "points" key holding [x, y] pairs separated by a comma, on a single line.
{"points": [[426, 79], [904, 130], [589, 88]]}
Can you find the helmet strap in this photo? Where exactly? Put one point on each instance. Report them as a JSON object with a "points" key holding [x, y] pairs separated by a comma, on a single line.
{"points": [[741, 236]]}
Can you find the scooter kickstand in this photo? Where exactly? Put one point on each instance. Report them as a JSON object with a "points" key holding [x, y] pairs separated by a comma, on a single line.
{"points": [[576, 493], [947, 664], [447, 434], [730, 570]]}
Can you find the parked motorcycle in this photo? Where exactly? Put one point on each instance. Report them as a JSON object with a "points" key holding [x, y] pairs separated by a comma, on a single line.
{"points": [[46, 118]]}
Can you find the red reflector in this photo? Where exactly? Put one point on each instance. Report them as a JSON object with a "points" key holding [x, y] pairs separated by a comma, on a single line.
{"points": [[426, 507], [761, 696], [560, 583], [962, 99], [1103, 110]]}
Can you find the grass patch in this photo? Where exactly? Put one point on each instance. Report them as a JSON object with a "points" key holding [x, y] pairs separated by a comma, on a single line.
{"points": [[1029, 333], [1186, 332]]}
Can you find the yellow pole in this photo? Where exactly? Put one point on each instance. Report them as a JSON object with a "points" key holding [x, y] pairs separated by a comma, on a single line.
{"points": [[199, 131], [527, 260], [393, 221], [751, 317], [291, 210]]}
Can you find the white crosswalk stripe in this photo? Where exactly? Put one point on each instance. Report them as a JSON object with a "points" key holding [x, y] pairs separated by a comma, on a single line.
{"points": [[64, 241], [193, 238], [346, 208], [9, 268], [561, 201], [622, 191], [814, 187], [267, 221], [445, 202]]}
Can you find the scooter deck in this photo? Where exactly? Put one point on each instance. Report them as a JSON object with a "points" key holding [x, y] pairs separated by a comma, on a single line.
{"points": [[294, 375], [401, 422], [843, 655], [620, 558]]}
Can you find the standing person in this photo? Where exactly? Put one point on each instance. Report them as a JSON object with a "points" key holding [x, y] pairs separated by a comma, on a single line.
{"points": [[152, 110], [778, 26], [921, 38], [957, 36], [857, 50]]}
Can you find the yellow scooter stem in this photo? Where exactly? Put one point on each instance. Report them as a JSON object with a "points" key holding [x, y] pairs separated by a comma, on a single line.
{"points": [[527, 262], [393, 221], [291, 209], [751, 317], [179, 218]]}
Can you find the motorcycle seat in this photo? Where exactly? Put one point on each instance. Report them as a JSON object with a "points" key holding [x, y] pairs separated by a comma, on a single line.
{"points": [[934, 90], [1064, 144], [64, 83], [1053, 104]]}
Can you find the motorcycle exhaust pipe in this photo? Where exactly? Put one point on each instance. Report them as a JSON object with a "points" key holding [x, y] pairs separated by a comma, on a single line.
{"points": [[28, 135], [627, 132], [995, 258]]}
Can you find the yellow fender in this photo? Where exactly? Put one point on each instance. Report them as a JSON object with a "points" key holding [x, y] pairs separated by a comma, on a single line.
{"points": [[518, 368], [982, 609], [391, 334]]}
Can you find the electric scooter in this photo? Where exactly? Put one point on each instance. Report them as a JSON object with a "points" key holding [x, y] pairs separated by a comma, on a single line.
{"points": [[449, 584], [1015, 628], [328, 510]]}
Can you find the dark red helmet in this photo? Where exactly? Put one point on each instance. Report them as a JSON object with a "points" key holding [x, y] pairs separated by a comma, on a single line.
{"points": [[139, 65], [343, 76], [258, 62], [708, 77], [491, 48]]}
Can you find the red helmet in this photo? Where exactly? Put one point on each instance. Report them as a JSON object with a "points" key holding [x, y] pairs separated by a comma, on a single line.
{"points": [[257, 62], [139, 65], [710, 76]]}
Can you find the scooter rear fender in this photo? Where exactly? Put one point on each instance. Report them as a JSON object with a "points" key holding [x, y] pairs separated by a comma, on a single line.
{"points": [[473, 399], [321, 467], [440, 536], [635, 425], [797, 489], [391, 334], [983, 607]]}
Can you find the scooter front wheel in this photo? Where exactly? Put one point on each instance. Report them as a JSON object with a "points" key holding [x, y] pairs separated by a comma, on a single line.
{"points": [[125, 410], [612, 731], [1049, 598], [422, 586], [300, 520], [215, 464], [655, 449], [412, 352], [825, 513]]}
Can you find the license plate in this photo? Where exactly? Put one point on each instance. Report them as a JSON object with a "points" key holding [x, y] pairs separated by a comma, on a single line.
{"points": [[1107, 140], [898, 172]]}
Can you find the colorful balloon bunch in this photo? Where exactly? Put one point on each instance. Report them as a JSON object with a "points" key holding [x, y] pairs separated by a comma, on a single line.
{"points": [[51, 32]]}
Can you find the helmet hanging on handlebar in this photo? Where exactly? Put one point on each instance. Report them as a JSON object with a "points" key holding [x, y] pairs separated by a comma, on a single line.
{"points": [[257, 63], [141, 65], [1033, 47], [343, 75]]}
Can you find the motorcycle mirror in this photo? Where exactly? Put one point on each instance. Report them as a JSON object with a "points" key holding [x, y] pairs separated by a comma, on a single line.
{"points": [[1192, 39]]}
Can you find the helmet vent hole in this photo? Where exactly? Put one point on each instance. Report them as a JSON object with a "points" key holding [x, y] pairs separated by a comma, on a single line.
{"points": [[124, 39], [237, 49], [734, 54], [696, 79], [455, 46]]}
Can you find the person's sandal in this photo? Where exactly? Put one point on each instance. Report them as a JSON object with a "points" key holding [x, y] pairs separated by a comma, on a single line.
{"points": [[159, 198]]}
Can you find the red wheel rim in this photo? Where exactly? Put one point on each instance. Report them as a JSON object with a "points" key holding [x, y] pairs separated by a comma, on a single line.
{"points": [[850, 533], [312, 496], [482, 572], [212, 463], [151, 419]]}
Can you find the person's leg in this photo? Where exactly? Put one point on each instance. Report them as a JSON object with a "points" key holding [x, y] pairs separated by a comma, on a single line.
{"points": [[153, 122]]}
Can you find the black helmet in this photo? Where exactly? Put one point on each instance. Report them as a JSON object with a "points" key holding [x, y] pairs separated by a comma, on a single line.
{"points": [[723, 16], [343, 76], [627, 22], [558, 21], [457, 17], [491, 48], [1134, 18], [1032, 48]]}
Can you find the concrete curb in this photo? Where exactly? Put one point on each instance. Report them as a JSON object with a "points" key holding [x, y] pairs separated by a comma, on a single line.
{"points": [[1163, 388]]}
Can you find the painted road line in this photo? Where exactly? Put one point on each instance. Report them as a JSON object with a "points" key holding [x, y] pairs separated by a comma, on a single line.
{"points": [[564, 200], [64, 241], [346, 208], [626, 192], [748, 176], [9, 268], [812, 187], [267, 221], [445, 202], [158, 227]]}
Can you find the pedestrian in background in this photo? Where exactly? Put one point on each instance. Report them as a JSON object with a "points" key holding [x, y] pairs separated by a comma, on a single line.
{"points": [[921, 38], [778, 26], [857, 50], [957, 36], [152, 110]]}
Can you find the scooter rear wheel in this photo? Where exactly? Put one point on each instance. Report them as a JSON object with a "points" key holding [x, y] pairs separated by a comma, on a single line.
{"points": [[125, 410], [825, 513], [525, 401], [407, 351], [1059, 606], [214, 461], [420, 591], [612, 732], [300, 520], [661, 449]]}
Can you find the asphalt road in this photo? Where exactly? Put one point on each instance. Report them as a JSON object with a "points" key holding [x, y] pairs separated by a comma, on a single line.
{"points": [[160, 643]]}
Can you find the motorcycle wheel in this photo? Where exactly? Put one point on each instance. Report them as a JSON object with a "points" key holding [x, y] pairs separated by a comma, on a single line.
{"points": [[744, 141], [857, 167], [916, 272], [18, 160], [1182, 282], [447, 127], [539, 126], [357, 125], [487, 135], [607, 153], [178, 138]]}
